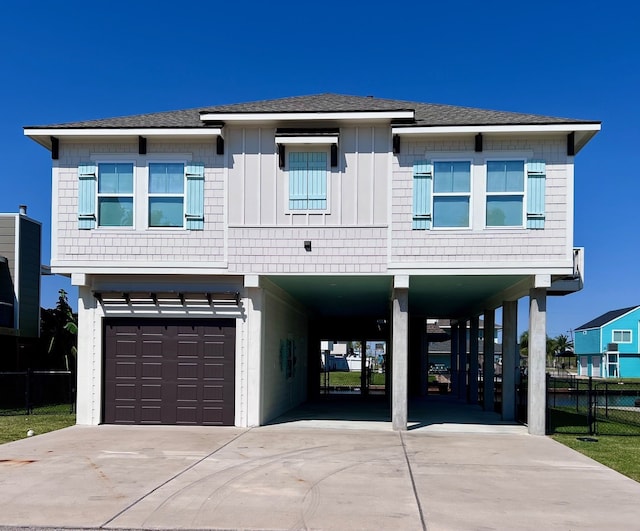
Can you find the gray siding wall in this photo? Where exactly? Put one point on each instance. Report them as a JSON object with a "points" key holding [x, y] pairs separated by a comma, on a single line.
{"points": [[366, 227], [484, 247], [7, 270], [29, 278], [140, 244]]}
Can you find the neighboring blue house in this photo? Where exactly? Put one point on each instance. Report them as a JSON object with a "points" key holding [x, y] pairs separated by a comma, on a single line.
{"points": [[608, 346]]}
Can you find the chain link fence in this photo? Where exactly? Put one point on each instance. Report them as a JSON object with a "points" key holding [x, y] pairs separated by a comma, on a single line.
{"points": [[588, 407], [39, 392]]}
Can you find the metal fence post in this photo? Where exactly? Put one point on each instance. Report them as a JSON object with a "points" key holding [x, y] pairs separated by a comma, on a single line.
{"points": [[590, 407]]}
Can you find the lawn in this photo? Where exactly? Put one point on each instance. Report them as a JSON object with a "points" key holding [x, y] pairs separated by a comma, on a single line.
{"points": [[617, 452], [349, 379], [15, 426]]}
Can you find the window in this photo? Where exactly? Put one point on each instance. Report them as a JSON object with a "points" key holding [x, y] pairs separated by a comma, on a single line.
{"points": [[307, 181], [174, 194], [622, 336], [441, 194], [451, 194], [505, 193], [166, 195], [115, 195]]}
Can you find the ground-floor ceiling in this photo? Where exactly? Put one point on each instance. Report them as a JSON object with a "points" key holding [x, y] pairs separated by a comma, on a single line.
{"points": [[456, 296]]}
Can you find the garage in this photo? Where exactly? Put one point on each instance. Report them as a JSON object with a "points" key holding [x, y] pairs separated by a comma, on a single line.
{"points": [[176, 371]]}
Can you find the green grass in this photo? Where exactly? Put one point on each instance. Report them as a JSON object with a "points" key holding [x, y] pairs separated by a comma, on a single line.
{"points": [[15, 426], [617, 452], [350, 379]]}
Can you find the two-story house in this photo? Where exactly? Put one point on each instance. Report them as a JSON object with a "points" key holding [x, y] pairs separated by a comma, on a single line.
{"points": [[215, 248], [19, 284], [608, 346]]}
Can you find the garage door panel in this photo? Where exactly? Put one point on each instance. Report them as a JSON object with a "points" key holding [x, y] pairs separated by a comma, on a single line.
{"points": [[169, 372]]}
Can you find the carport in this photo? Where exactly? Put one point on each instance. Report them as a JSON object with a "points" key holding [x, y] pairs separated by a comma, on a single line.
{"points": [[395, 308]]}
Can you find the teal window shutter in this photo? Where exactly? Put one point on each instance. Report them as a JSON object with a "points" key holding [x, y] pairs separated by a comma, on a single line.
{"points": [[87, 178], [317, 181], [536, 177], [422, 187], [195, 196], [298, 196]]}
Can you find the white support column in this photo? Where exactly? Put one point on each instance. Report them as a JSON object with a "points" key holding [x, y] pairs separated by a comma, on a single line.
{"points": [[88, 359], [474, 326], [462, 360], [536, 398], [488, 372], [400, 353], [253, 354], [509, 357]]}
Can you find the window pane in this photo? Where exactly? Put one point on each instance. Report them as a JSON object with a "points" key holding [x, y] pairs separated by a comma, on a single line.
{"points": [[115, 178], [504, 211], [166, 178], [451, 177], [505, 176], [450, 211], [115, 211], [166, 212]]}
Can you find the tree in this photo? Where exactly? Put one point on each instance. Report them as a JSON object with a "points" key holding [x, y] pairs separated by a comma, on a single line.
{"points": [[60, 331]]}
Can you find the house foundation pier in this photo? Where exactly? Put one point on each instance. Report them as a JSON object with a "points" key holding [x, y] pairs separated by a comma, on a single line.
{"points": [[537, 355], [400, 352], [509, 356]]}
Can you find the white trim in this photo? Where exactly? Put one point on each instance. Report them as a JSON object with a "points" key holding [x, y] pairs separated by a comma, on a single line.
{"points": [[174, 131], [328, 139], [299, 116], [477, 268], [65, 267], [450, 129]]}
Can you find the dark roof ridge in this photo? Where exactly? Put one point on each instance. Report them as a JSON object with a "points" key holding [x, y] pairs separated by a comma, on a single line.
{"points": [[606, 318]]}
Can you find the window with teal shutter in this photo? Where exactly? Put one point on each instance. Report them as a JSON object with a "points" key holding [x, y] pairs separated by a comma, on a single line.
{"points": [[451, 194], [422, 186], [87, 176], [505, 193], [536, 185], [115, 194], [166, 194], [307, 181], [195, 196]]}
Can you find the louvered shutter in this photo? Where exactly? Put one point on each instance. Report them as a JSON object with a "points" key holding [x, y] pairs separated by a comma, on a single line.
{"points": [[195, 196], [298, 198], [536, 180], [317, 181], [422, 186], [87, 179]]}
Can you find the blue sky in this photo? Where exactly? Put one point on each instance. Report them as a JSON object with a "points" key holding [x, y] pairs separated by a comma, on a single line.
{"points": [[77, 60]]}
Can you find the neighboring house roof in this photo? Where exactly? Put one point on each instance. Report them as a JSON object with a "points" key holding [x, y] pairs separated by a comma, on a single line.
{"points": [[426, 114], [606, 318]]}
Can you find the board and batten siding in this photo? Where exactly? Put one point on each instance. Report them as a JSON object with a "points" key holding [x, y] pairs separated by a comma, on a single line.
{"points": [[357, 189], [140, 245], [480, 246]]}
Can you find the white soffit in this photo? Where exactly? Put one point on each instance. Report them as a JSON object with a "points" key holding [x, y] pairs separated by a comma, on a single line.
{"points": [[307, 116], [473, 129], [309, 139], [210, 131]]}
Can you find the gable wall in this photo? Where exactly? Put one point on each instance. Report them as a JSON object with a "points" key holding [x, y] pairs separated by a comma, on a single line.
{"points": [[630, 321]]}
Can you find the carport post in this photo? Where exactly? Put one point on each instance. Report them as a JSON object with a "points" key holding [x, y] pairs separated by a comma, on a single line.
{"points": [[473, 359], [400, 352], [509, 356], [453, 371], [488, 370], [536, 398], [462, 360]]}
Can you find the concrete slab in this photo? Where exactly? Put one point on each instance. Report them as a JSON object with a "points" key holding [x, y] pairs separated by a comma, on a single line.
{"points": [[293, 475]]}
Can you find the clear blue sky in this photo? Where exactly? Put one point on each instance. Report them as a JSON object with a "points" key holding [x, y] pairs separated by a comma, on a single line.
{"points": [[75, 60]]}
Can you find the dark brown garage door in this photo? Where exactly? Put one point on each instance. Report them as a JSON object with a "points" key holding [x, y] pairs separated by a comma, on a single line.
{"points": [[169, 372]]}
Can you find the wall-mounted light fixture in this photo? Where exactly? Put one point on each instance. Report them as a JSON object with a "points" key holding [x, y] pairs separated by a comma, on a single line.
{"points": [[307, 245]]}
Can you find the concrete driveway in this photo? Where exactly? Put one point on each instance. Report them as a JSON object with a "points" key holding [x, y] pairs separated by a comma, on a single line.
{"points": [[315, 474]]}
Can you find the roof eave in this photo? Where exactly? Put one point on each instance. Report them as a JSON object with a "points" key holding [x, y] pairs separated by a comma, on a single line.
{"points": [[307, 116]]}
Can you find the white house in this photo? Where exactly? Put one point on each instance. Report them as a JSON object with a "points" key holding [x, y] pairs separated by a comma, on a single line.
{"points": [[214, 248]]}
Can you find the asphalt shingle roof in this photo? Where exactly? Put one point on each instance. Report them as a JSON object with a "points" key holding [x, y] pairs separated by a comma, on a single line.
{"points": [[426, 114], [606, 318]]}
